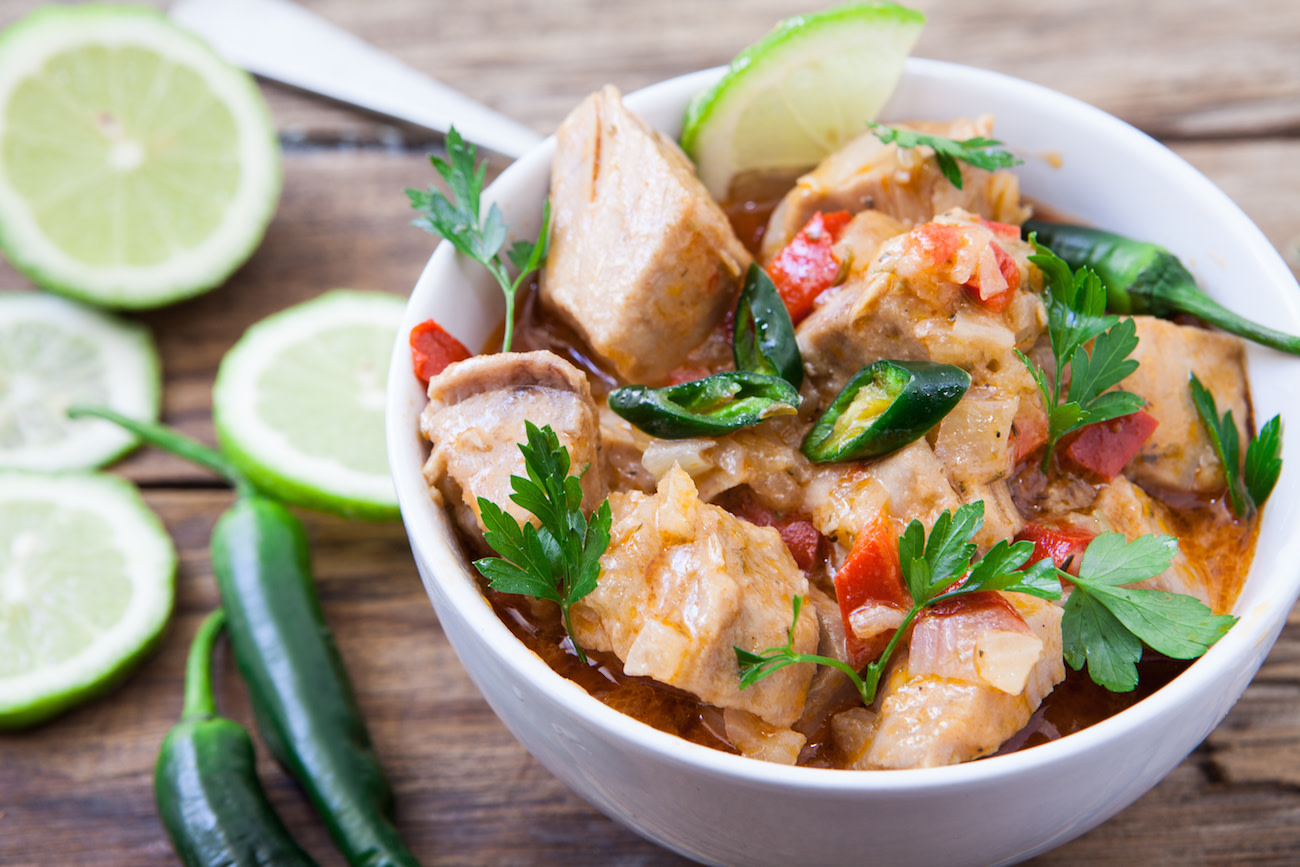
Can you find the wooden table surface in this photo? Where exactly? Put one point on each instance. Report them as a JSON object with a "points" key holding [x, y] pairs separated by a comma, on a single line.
{"points": [[1219, 82]]}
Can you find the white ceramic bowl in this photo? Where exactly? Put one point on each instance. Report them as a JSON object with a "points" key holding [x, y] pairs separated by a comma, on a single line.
{"points": [[724, 809]]}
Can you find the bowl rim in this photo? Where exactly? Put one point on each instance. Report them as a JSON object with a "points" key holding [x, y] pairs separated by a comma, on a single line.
{"points": [[1223, 659]]}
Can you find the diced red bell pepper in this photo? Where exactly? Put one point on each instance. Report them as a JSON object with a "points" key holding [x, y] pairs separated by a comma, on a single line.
{"points": [[940, 242], [806, 267], [432, 349], [871, 575], [1065, 545], [1010, 274], [1028, 430], [1103, 449], [1005, 230]]}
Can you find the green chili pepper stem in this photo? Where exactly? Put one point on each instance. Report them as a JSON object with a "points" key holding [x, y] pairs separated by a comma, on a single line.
{"points": [[169, 441], [1141, 277], [1189, 299], [198, 668]]}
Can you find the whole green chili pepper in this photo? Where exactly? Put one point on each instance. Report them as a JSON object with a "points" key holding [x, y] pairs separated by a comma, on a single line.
{"points": [[205, 781], [715, 405], [1146, 278], [763, 335], [300, 693], [884, 407]]}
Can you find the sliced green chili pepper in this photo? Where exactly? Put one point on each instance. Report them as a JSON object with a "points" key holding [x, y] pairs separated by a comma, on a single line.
{"points": [[884, 407], [712, 406], [205, 781], [300, 693], [1146, 278], [763, 337]]}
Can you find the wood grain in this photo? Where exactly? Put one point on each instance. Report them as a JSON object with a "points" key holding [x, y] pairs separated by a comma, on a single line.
{"points": [[1220, 81]]}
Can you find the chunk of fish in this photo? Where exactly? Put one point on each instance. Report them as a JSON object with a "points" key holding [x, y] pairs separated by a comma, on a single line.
{"points": [[682, 584], [903, 183], [475, 421], [1123, 507], [1179, 457], [911, 304], [964, 691], [642, 263]]}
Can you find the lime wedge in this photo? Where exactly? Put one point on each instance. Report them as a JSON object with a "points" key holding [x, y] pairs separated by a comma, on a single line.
{"points": [[136, 167], [55, 352], [86, 585], [799, 93], [299, 403]]}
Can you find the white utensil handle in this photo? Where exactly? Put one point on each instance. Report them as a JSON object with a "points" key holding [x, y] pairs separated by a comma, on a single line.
{"points": [[280, 40]]}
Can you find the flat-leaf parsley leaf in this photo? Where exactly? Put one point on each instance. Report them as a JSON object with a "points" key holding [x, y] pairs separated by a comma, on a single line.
{"points": [[1076, 314], [932, 570], [1250, 486], [1106, 623], [462, 224], [980, 152], [560, 559]]}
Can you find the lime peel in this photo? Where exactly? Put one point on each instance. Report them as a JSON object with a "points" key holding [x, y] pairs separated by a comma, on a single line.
{"points": [[299, 403], [121, 184], [41, 506], [53, 352], [800, 93]]}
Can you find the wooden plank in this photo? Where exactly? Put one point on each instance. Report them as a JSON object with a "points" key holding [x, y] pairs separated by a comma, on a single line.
{"points": [[1200, 68]]}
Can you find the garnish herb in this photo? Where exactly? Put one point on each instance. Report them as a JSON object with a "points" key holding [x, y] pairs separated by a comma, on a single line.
{"points": [[1105, 623], [1076, 305], [477, 237], [980, 152], [932, 569], [755, 666], [1247, 490], [560, 560]]}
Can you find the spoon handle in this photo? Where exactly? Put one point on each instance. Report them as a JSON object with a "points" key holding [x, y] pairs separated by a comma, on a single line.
{"points": [[280, 40]]}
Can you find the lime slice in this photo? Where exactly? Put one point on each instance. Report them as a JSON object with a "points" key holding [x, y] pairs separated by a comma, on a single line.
{"points": [[55, 352], [299, 403], [799, 93], [86, 585], [136, 167]]}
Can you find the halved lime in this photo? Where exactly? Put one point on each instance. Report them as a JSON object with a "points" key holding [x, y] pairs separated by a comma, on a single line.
{"points": [[86, 586], [299, 403], [799, 93], [55, 352], [136, 167]]}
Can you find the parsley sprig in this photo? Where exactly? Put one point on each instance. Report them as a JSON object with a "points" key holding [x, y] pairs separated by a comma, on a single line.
{"points": [[480, 238], [560, 559], [932, 572], [1076, 314], [1247, 490], [980, 152], [1106, 623]]}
